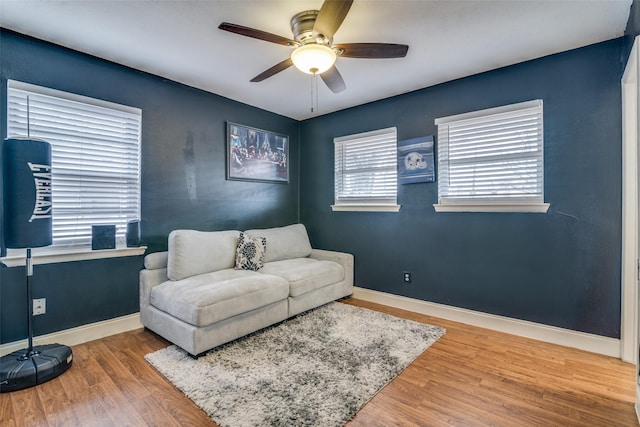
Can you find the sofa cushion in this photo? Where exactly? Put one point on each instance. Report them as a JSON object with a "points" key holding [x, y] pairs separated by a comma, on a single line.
{"points": [[287, 242], [209, 298], [194, 252], [305, 274], [250, 252]]}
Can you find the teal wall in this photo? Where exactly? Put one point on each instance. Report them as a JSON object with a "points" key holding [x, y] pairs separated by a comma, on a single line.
{"points": [[181, 127], [561, 268]]}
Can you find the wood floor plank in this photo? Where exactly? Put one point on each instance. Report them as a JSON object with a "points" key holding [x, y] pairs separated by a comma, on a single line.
{"points": [[464, 405], [155, 414], [116, 371], [469, 377], [180, 408], [6, 411], [27, 408], [87, 365], [56, 404], [76, 387], [119, 406], [102, 408]]}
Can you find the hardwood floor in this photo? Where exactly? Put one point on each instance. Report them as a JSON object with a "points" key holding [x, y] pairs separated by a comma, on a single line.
{"points": [[470, 377]]}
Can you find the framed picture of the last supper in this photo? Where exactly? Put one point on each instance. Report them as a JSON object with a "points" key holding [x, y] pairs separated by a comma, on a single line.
{"points": [[256, 155]]}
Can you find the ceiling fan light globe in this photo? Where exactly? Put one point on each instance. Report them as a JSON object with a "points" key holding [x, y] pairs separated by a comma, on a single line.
{"points": [[313, 58]]}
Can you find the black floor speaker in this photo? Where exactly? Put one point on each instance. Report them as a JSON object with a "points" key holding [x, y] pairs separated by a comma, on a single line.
{"points": [[18, 371]]}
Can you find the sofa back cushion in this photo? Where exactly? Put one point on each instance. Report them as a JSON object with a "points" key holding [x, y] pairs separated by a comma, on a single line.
{"points": [[287, 242], [194, 252]]}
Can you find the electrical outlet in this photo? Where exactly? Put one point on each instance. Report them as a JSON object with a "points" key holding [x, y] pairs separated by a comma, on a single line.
{"points": [[39, 306], [406, 276]]}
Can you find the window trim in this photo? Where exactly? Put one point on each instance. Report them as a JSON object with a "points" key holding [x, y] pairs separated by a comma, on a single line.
{"points": [[366, 208], [484, 207], [370, 204], [52, 255], [74, 252], [500, 204]]}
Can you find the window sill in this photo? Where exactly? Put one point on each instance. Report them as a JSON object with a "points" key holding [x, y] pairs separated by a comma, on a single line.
{"points": [[515, 207], [51, 256], [366, 208]]}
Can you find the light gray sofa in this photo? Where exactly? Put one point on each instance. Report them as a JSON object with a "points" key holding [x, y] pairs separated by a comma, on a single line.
{"points": [[194, 297]]}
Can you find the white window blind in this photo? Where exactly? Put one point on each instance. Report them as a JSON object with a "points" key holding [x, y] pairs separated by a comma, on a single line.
{"points": [[365, 169], [492, 157], [95, 157]]}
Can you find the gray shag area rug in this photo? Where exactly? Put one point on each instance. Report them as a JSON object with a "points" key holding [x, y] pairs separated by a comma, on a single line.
{"points": [[317, 369]]}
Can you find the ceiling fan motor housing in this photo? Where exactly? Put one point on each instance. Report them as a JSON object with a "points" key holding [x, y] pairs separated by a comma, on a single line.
{"points": [[302, 28]]}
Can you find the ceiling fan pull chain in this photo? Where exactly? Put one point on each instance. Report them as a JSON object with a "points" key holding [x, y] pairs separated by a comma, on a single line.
{"points": [[311, 87], [315, 87], [314, 93]]}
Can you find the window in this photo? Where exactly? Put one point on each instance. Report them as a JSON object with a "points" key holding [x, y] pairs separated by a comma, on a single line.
{"points": [[365, 171], [492, 160], [95, 158]]}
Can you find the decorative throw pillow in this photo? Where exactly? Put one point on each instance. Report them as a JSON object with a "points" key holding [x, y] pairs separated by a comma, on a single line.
{"points": [[250, 252]]}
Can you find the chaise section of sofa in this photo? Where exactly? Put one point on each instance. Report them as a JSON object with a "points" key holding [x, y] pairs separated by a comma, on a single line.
{"points": [[193, 295], [315, 276]]}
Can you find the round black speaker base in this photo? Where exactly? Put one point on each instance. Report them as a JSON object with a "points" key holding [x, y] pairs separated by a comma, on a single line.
{"points": [[19, 370]]}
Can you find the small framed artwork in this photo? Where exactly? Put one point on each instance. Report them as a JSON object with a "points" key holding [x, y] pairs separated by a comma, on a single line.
{"points": [[256, 155], [416, 160]]}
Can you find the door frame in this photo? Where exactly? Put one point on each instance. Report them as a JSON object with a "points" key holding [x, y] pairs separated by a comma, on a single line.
{"points": [[630, 268]]}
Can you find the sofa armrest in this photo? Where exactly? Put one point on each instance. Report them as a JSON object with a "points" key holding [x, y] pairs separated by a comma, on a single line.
{"points": [[342, 258], [156, 260], [154, 273]]}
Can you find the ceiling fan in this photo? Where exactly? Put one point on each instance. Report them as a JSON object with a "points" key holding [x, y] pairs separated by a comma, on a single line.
{"points": [[314, 51]]}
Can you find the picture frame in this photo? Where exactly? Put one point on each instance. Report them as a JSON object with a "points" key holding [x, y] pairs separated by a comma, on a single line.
{"points": [[416, 161], [256, 155]]}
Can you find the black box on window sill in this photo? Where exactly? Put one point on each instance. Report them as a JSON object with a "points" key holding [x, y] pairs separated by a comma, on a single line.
{"points": [[133, 234], [103, 237]]}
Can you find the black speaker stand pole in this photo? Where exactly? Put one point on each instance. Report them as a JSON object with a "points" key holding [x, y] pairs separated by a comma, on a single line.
{"points": [[35, 365]]}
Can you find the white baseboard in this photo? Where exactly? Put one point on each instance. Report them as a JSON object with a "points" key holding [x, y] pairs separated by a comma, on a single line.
{"points": [[80, 334], [551, 334]]}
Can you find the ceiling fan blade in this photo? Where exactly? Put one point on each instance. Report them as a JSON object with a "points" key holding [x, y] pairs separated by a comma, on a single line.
{"points": [[372, 50], [330, 17], [273, 70], [333, 80], [256, 34]]}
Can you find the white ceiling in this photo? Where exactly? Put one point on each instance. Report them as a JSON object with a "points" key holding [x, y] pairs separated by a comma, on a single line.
{"points": [[448, 39]]}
